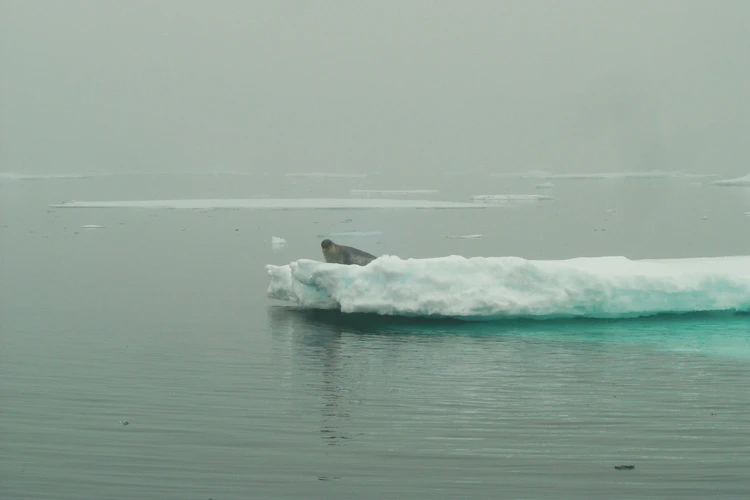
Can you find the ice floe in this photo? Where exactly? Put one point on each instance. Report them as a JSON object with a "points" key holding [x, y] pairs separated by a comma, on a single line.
{"points": [[739, 181], [596, 176], [351, 234], [324, 174], [273, 204], [394, 192], [510, 198], [510, 287], [11, 176]]}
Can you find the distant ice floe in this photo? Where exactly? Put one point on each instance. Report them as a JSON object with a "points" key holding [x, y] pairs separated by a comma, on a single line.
{"points": [[747, 213], [277, 242], [351, 234], [11, 176], [92, 226], [464, 237], [510, 287], [652, 174], [510, 198], [394, 192], [324, 174], [545, 185], [739, 181], [273, 204]]}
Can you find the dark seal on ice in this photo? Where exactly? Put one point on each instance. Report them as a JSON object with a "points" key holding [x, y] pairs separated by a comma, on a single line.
{"points": [[340, 254]]}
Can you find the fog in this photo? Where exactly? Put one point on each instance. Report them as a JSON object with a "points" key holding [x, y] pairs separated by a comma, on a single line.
{"points": [[386, 86]]}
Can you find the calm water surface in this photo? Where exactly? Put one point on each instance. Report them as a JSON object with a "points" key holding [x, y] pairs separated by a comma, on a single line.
{"points": [[160, 320]]}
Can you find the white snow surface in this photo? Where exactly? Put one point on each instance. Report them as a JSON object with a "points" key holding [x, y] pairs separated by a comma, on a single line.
{"points": [[482, 288], [271, 204], [739, 181]]}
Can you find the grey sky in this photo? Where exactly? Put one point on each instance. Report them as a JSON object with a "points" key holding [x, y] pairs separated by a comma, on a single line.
{"points": [[567, 86]]}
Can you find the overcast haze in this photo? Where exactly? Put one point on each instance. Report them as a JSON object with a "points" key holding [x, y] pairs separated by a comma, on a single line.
{"points": [[573, 86]]}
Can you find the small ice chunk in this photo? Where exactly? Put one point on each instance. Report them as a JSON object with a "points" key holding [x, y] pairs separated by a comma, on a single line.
{"points": [[464, 237], [545, 185], [277, 242], [92, 226]]}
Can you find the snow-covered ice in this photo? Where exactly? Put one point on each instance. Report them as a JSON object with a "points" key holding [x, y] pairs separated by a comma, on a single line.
{"points": [[510, 287], [271, 204]]}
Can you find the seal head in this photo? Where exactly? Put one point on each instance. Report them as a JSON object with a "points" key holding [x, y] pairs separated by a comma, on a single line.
{"points": [[340, 254]]}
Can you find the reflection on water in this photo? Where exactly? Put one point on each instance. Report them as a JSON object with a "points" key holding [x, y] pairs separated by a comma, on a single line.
{"points": [[525, 405]]}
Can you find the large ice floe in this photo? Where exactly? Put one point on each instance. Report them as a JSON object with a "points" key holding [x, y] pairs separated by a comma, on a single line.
{"points": [[272, 204], [510, 287]]}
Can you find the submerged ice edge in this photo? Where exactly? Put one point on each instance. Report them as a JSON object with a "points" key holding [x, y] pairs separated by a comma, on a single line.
{"points": [[511, 287]]}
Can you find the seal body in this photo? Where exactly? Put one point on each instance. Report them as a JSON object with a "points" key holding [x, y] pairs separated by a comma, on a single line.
{"points": [[340, 254]]}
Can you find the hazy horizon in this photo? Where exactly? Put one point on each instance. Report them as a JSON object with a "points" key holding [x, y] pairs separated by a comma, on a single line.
{"points": [[390, 87]]}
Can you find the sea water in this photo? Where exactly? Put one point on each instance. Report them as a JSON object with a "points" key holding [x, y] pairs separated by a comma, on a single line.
{"points": [[141, 357]]}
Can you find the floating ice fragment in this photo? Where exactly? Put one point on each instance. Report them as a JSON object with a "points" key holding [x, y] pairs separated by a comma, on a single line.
{"points": [[545, 185], [277, 242], [92, 226], [464, 237]]}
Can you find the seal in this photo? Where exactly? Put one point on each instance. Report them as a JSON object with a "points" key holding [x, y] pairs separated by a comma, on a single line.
{"points": [[340, 254]]}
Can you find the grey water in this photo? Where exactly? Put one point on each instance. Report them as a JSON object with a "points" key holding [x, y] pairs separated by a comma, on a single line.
{"points": [[143, 359]]}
